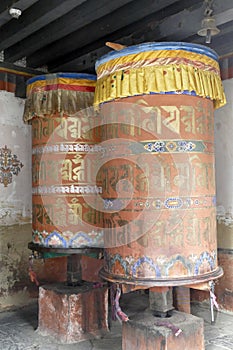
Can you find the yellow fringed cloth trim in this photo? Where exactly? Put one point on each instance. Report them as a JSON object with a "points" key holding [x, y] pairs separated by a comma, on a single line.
{"points": [[63, 96], [159, 72]]}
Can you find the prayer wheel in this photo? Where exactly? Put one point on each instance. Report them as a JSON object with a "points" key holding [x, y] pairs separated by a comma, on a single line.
{"points": [[157, 102], [57, 107]]}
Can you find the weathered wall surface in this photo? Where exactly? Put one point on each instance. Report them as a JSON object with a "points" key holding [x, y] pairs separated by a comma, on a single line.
{"points": [[15, 200], [14, 281], [224, 158], [224, 190]]}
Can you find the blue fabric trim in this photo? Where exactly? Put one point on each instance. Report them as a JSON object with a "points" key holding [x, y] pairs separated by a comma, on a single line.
{"points": [[184, 92], [62, 75], [153, 46]]}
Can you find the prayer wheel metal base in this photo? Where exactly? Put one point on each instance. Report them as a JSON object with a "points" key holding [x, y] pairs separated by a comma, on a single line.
{"points": [[83, 251], [178, 281], [74, 261]]}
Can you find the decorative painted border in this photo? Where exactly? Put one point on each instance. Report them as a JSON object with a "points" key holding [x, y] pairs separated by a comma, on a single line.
{"points": [[175, 146], [37, 190], [205, 256], [67, 148], [68, 239], [161, 265], [146, 260], [160, 203]]}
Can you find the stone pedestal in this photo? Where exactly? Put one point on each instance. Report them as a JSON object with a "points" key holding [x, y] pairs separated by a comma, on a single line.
{"points": [[145, 332], [161, 300], [73, 314]]}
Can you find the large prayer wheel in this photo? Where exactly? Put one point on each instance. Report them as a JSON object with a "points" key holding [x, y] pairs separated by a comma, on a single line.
{"points": [[57, 107], [157, 100]]}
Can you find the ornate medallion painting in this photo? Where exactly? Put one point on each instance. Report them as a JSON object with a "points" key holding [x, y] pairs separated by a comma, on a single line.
{"points": [[9, 166]]}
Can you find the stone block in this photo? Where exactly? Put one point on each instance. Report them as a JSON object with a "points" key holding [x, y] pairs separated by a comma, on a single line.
{"points": [[161, 300], [51, 270], [91, 268], [145, 332], [73, 314]]}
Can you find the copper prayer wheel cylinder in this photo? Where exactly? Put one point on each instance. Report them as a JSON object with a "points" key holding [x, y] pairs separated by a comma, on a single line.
{"points": [[159, 99], [57, 107]]}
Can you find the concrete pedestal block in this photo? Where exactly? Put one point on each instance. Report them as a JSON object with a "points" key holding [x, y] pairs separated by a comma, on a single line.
{"points": [[73, 314], [161, 300], [145, 332]]}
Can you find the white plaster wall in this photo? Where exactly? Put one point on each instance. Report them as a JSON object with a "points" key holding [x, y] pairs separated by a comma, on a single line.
{"points": [[224, 157], [15, 199]]}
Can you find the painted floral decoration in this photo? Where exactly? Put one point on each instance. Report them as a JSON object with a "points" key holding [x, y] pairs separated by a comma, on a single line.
{"points": [[9, 166]]}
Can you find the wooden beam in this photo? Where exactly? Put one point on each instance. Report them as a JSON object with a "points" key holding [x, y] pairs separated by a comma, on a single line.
{"points": [[87, 12], [224, 17], [33, 19], [135, 33], [186, 23], [177, 27], [101, 27], [223, 44]]}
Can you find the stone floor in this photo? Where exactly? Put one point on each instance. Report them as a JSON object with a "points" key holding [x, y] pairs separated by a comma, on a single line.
{"points": [[18, 329]]}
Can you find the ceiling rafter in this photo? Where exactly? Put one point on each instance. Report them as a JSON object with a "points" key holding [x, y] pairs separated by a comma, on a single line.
{"points": [[147, 29], [70, 35], [58, 29], [33, 19], [176, 27], [102, 27]]}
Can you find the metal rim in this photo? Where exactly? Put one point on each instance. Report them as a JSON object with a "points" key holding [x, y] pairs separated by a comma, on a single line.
{"points": [[68, 251], [162, 282]]}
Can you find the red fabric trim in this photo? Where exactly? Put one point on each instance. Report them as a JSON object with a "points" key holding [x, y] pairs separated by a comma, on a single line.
{"points": [[65, 87]]}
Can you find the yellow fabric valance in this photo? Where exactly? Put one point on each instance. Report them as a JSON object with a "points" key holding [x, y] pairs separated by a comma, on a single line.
{"points": [[175, 71], [61, 95], [59, 101]]}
